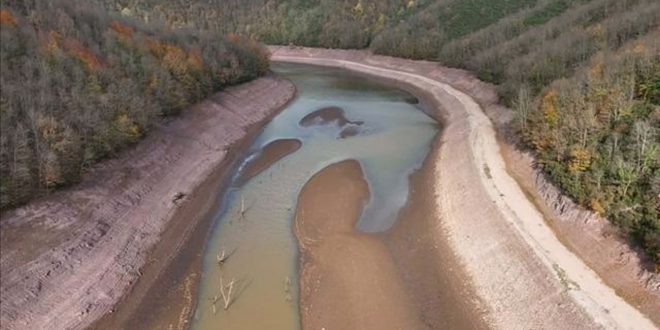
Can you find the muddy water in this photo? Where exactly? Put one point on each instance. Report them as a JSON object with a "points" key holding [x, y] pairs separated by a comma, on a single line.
{"points": [[255, 228]]}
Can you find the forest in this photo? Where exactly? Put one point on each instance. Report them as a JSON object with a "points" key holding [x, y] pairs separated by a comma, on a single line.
{"points": [[596, 135], [79, 84]]}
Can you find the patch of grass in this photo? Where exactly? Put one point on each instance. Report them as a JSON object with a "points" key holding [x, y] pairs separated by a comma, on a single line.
{"points": [[487, 171]]}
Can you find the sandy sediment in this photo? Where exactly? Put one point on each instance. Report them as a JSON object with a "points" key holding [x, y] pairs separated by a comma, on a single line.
{"points": [[523, 274], [348, 279], [67, 259], [268, 155]]}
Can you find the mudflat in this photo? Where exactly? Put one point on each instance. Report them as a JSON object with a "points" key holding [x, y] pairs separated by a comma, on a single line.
{"points": [[348, 279]]}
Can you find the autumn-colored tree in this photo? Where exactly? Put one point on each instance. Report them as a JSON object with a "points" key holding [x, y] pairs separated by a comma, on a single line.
{"points": [[580, 160], [121, 29], [595, 206], [84, 54], [6, 18], [549, 108], [79, 84]]}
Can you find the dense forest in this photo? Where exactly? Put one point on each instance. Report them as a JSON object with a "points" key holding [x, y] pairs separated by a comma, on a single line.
{"points": [[79, 84], [583, 75], [508, 42], [596, 134]]}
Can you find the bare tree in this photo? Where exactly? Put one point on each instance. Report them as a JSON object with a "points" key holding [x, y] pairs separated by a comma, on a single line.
{"points": [[644, 134], [523, 107]]}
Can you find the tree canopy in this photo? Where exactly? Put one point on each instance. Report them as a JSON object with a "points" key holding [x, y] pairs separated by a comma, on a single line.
{"points": [[79, 84]]}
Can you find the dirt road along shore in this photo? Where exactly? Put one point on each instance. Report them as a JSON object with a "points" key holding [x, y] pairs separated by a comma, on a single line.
{"points": [[517, 266], [67, 259]]}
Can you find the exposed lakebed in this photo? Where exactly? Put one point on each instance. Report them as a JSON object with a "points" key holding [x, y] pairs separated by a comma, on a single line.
{"points": [[336, 116]]}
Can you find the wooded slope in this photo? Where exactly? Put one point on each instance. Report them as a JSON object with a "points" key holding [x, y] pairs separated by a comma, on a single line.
{"points": [[79, 84]]}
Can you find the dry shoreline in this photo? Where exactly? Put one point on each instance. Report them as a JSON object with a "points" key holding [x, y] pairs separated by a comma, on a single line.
{"points": [[96, 239], [523, 273]]}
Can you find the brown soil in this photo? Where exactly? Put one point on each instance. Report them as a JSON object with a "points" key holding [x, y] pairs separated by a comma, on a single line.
{"points": [[268, 155], [348, 279], [429, 268], [67, 259], [327, 115]]}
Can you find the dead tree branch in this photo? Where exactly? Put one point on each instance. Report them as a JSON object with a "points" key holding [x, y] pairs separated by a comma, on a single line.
{"points": [[226, 296], [222, 256]]}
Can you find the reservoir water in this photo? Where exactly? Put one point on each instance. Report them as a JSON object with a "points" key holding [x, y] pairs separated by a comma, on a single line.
{"points": [[386, 132]]}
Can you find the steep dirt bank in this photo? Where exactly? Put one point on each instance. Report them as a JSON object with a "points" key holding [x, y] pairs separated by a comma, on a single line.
{"points": [[67, 259], [588, 235], [525, 276], [348, 279]]}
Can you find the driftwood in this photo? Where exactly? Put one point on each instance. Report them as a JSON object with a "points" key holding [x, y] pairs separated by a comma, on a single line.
{"points": [[243, 209], [222, 256], [229, 292], [287, 289], [226, 291]]}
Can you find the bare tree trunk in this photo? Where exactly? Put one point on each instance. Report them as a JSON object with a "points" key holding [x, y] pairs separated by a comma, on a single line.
{"points": [[226, 297]]}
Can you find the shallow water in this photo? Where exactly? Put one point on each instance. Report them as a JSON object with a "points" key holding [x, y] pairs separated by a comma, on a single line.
{"points": [[391, 144]]}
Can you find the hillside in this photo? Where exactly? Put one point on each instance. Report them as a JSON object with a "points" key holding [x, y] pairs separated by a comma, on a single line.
{"points": [[79, 85], [583, 75], [508, 42]]}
